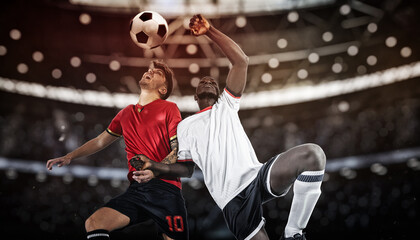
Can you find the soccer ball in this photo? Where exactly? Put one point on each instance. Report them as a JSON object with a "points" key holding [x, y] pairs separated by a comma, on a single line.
{"points": [[148, 29]]}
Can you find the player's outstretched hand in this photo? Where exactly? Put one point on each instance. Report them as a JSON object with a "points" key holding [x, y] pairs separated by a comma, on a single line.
{"points": [[199, 25], [61, 161]]}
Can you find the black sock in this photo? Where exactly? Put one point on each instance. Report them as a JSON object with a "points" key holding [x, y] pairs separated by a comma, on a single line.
{"points": [[100, 234]]}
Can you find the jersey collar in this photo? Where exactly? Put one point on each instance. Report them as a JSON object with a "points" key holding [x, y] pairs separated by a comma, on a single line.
{"points": [[205, 109], [141, 107], [150, 103]]}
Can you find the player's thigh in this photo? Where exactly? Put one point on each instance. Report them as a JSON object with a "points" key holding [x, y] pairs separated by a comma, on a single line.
{"points": [[165, 237], [106, 218], [261, 235]]}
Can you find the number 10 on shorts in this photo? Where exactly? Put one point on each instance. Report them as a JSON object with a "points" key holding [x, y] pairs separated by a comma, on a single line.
{"points": [[175, 223]]}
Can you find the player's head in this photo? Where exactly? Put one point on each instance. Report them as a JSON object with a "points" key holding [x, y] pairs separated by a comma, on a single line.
{"points": [[208, 87], [158, 77]]}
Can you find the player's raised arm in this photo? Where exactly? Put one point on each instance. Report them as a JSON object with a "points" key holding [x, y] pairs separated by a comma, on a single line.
{"points": [[236, 79], [90, 147]]}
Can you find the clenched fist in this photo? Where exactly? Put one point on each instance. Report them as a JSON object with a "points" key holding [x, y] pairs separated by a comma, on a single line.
{"points": [[140, 162], [199, 25]]}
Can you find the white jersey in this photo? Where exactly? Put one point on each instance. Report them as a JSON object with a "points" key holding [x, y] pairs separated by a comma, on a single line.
{"points": [[216, 141]]}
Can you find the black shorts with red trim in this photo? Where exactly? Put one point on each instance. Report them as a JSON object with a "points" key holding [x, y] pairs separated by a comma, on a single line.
{"points": [[157, 200], [244, 213]]}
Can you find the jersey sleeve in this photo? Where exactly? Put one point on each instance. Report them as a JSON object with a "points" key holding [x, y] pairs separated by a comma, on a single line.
{"points": [[231, 100], [114, 127], [173, 119], [184, 153]]}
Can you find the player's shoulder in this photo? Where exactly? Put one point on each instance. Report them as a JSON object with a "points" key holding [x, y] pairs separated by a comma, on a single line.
{"points": [[193, 121], [127, 108], [228, 93], [186, 127], [167, 104], [187, 122], [124, 112], [228, 99]]}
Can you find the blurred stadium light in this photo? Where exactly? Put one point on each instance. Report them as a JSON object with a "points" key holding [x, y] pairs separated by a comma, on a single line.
{"points": [[208, 7], [260, 99], [108, 173]]}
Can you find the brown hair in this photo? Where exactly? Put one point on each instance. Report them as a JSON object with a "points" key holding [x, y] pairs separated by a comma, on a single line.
{"points": [[169, 75]]}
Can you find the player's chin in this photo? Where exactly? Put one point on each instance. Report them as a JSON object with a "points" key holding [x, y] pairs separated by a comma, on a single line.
{"points": [[145, 82], [207, 90], [207, 94]]}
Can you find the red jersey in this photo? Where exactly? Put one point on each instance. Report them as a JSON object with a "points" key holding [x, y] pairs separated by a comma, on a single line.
{"points": [[147, 130]]}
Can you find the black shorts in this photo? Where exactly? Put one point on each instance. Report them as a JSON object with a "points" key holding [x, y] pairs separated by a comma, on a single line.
{"points": [[244, 213], [157, 200]]}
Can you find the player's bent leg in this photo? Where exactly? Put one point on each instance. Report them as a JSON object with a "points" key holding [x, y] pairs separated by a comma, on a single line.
{"points": [[304, 166], [104, 220]]}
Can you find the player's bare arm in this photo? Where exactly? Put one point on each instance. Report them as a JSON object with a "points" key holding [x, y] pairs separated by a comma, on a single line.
{"points": [[185, 169], [90, 147], [141, 162], [236, 79], [148, 169], [172, 156]]}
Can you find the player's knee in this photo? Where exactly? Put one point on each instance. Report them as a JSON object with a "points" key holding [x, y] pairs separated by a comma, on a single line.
{"points": [[314, 157], [91, 224]]}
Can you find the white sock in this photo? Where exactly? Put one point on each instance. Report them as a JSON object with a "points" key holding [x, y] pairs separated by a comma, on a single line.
{"points": [[307, 189]]}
